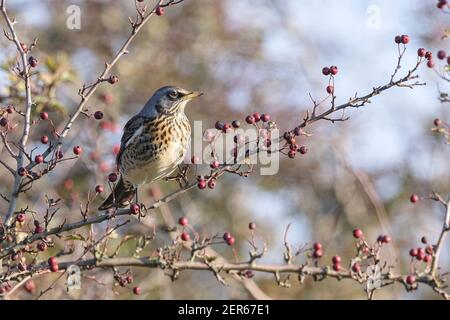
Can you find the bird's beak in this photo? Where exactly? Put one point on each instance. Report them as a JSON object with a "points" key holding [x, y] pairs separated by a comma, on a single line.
{"points": [[192, 95]]}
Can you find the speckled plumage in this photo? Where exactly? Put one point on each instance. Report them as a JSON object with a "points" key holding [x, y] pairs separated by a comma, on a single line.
{"points": [[153, 144]]}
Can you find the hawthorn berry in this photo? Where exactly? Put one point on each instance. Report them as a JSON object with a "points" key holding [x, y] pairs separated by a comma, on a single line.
{"points": [[159, 11], [60, 154], [98, 115], [99, 189], [421, 52], [39, 158], [427, 258], [134, 208], [195, 159], [230, 241], [30, 286], [250, 119], [398, 39], [265, 117], [410, 279], [42, 246], [38, 229], [356, 267], [226, 236], [441, 54], [257, 117], [24, 47], [325, 71], [183, 221], [129, 278], [22, 171], [337, 267], [201, 184], [43, 115], [330, 89], [252, 226], [77, 150], [236, 124], [32, 61], [357, 233], [21, 217], [112, 177], [226, 128], [333, 70], [137, 290], [54, 268], [3, 122], [405, 39], [414, 198], [292, 153], [428, 55], [9, 109], [430, 63], [52, 261], [218, 125], [386, 239], [413, 252], [212, 183], [317, 246], [44, 139], [336, 260], [113, 79], [185, 236], [420, 254], [437, 122], [303, 149], [317, 253], [429, 249], [215, 164]]}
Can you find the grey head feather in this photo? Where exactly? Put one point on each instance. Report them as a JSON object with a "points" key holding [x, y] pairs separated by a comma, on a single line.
{"points": [[161, 101]]}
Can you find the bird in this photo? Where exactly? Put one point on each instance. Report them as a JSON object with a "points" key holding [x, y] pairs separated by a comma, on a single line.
{"points": [[154, 142]]}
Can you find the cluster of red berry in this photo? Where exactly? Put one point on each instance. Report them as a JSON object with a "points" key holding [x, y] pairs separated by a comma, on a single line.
{"points": [[442, 4]]}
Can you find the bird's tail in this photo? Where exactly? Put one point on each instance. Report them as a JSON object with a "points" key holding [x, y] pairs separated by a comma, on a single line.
{"points": [[120, 197]]}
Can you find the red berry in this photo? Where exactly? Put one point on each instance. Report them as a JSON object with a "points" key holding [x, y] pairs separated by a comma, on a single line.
{"points": [[159, 11], [226, 236], [44, 139], [429, 249], [413, 252], [52, 261], [54, 268], [356, 267], [183, 221], [21, 217], [333, 70], [77, 150], [112, 177], [441, 54], [22, 171], [218, 125], [9, 109], [421, 52], [265, 117], [195, 160], [129, 279], [137, 290], [250, 119], [24, 47], [398, 39], [427, 258], [201, 184], [236, 124], [303, 150], [39, 158], [113, 79], [252, 226], [38, 229], [256, 116], [134, 208], [212, 183], [44, 115], [437, 122], [420, 254], [292, 153], [230, 241], [185, 236], [99, 189], [98, 115], [317, 246], [410, 279], [405, 39], [386, 239], [430, 63], [357, 233], [448, 60], [318, 253], [3, 122], [30, 286], [60, 154], [41, 246], [215, 164], [325, 71], [428, 55], [414, 198], [336, 267], [336, 260], [32, 61], [226, 127], [330, 89]]}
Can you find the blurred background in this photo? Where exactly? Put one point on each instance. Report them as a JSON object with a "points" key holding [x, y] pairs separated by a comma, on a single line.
{"points": [[252, 56]]}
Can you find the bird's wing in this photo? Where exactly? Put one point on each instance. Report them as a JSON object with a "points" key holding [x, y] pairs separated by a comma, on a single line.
{"points": [[132, 129]]}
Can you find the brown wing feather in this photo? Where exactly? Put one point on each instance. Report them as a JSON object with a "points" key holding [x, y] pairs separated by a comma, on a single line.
{"points": [[128, 131]]}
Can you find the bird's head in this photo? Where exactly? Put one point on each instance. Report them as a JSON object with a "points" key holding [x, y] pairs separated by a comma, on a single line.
{"points": [[168, 100]]}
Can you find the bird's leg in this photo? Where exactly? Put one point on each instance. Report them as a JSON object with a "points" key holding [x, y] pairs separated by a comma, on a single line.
{"points": [[180, 177]]}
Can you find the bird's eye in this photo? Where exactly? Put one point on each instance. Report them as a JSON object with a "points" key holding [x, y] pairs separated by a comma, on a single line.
{"points": [[173, 95]]}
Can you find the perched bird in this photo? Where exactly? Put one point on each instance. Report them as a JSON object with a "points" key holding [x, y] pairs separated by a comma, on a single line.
{"points": [[153, 144]]}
